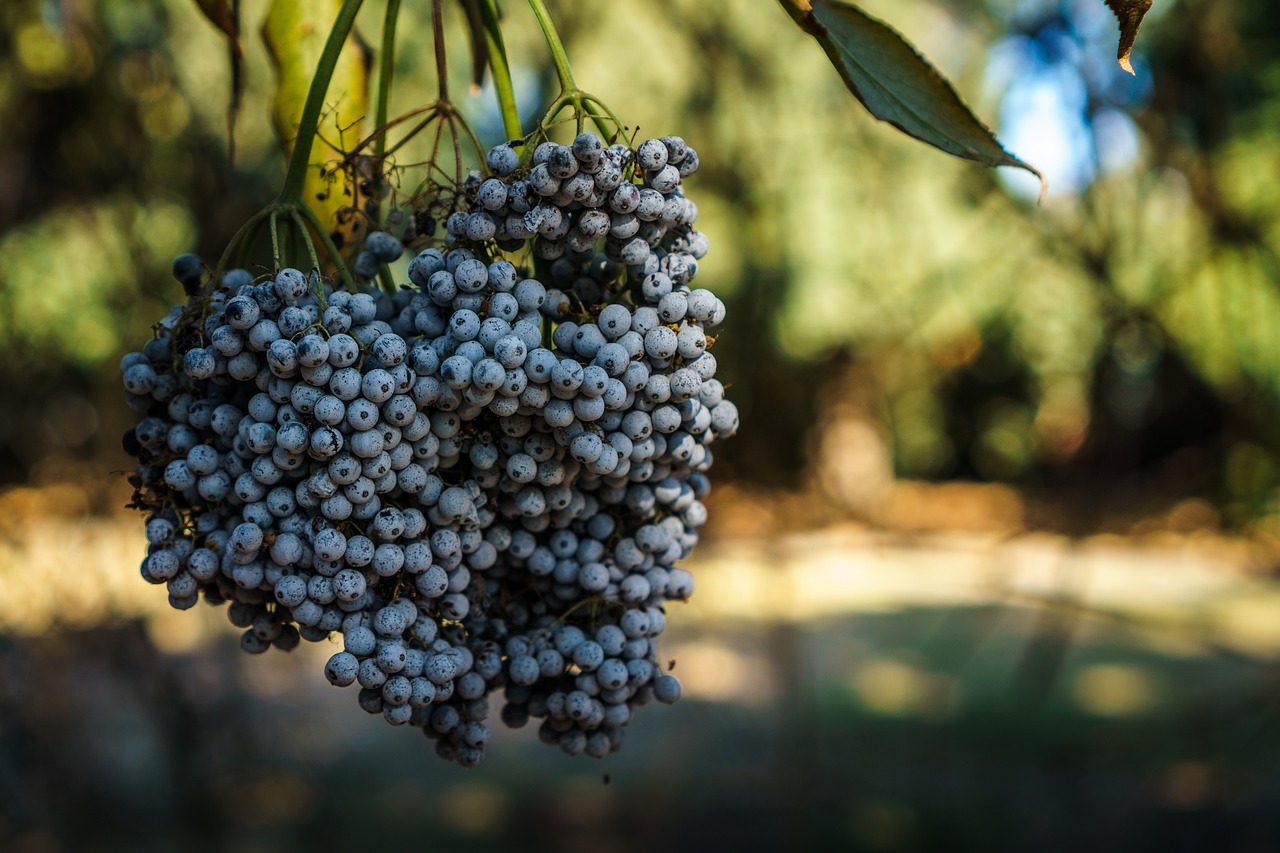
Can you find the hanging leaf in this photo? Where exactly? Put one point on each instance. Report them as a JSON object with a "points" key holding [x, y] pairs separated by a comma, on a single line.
{"points": [[295, 32], [225, 15], [896, 84], [479, 46], [1130, 14]]}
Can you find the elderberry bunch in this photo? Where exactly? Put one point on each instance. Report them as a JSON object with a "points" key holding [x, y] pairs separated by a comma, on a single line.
{"points": [[483, 484]]}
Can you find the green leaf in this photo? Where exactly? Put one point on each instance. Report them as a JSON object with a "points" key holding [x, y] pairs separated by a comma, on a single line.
{"points": [[896, 84], [295, 32], [1130, 14], [225, 15]]}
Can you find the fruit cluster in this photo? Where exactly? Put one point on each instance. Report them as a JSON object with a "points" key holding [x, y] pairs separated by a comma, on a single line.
{"points": [[482, 483]]}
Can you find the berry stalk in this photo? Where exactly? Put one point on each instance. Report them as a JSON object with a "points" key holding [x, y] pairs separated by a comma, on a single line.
{"points": [[570, 95], [325, 240], [386, 71], [442, 66], [500, 69], [558, 53]]}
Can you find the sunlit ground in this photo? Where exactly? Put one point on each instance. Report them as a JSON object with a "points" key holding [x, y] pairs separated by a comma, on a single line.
{"points": [[845, 688]]}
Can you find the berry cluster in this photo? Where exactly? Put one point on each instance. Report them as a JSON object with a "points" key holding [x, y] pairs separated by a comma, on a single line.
{"points": [[481, 483]]}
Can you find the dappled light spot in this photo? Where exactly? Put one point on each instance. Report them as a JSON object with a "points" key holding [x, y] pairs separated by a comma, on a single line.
{"points": [[1111, 690], [165, 116], [176, 633], [49, 57], [1246, 621], [1194, 514], [895, 688], [473, 807], [717, 673]]}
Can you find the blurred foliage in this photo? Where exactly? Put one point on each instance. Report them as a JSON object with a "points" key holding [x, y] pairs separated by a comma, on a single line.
{"points": [[1116, 341], [1082, 343]]}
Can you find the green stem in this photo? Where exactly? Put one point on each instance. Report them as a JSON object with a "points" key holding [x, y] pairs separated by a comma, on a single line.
{"points": [[304, 232], [384, 129], [296, 219], [613, 117], [500, 69], [442, 64], [386, 72], [432, 114], [558, 54], [386, 280], [275, 239], [471, 135], [327, 242], [295, 179], [577, 100]]}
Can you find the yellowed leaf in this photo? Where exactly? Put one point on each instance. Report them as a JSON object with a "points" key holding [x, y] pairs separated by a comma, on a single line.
{"points": [[295, 32]]}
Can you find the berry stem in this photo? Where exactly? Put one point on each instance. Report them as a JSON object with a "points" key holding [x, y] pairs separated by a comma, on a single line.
{"points": [[296, 219], [431, 110], [558, 54], [442, 64], [386, 71], [386, 74], [386, 280], [327, 242], [300, 161], [500, 69], [613, 117], [579, 101], [304, 232], [471, 135], [275, 239]]}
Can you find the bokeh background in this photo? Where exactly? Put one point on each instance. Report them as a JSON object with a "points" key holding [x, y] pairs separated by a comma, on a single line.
{"points": [[991, 565]]}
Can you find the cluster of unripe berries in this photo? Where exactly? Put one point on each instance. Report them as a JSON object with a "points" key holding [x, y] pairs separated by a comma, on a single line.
{"points": [[482, 483]]}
